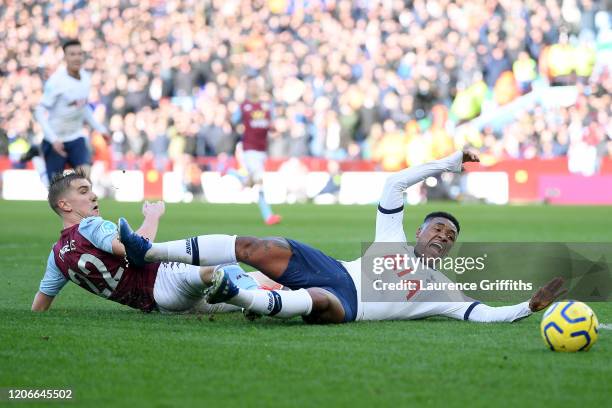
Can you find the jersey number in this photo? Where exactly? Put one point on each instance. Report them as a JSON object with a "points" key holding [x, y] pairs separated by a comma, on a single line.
{"points": [[111, 281]]}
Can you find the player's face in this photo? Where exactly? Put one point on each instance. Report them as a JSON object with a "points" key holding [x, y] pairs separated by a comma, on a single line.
{"points": [[73, 55], [80, 199], [435, 238], [253, 89]]}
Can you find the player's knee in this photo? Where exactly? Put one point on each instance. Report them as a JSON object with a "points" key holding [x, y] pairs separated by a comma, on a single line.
{"points": [[206, 274], [278, 242], [320, 301], [325, 308], [270, 255], [246, 246], [253, 249]]}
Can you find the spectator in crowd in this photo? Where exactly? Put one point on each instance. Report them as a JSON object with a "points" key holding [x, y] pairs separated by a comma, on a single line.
{"points": [[347, 78]]}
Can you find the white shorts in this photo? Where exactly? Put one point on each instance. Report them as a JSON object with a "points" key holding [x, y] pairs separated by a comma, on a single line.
{"points": [[179, 289], [254, 161]]}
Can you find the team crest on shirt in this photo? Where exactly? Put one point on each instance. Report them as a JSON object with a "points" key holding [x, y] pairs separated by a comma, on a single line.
{"points": [[248, 107], [258, 114], [68, 246]]}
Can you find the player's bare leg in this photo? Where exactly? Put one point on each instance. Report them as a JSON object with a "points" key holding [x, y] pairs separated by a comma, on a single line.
{"points": [[269, 217], [326, 308], [271, 256], [206, 274]]}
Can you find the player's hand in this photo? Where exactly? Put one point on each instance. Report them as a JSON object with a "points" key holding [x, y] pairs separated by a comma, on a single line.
{"points": [[58, 146], [547, 294], [470, 155], [153, 210]]}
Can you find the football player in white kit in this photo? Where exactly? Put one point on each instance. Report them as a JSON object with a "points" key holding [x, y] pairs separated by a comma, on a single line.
{"points": [[325, 290], [61, 113]]}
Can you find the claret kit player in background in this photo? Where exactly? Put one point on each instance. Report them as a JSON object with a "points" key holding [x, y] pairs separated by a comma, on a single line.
{"points": [[61, 113], [256, 119], [326, 290]]}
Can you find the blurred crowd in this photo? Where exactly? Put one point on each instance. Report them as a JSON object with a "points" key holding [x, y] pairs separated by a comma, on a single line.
{"points": [[384, 80]]}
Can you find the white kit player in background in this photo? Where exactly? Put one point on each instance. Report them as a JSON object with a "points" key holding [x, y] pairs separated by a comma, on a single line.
{"points": [[61, 112]]}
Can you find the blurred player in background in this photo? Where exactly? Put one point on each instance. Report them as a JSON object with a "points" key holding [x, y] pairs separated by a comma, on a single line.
{"points": [[255, 117], [61, 113], [89, 254]]}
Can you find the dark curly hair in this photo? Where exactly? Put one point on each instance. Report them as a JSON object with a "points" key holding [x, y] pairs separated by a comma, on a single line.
{"points": [[443, 214]]}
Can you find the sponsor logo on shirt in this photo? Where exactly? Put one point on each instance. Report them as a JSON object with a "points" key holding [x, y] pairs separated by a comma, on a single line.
{"points": [[78, 103]]}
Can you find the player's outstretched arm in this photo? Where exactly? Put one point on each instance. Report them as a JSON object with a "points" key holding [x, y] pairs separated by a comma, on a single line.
{"points": [[481, 313], [90, 118], [478, 312], [40, 113], [389, 218], [52, 282], [42, 302], [152, 213]]}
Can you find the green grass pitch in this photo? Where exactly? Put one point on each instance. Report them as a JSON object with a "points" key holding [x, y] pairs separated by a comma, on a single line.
{"points": [[113, 356]]}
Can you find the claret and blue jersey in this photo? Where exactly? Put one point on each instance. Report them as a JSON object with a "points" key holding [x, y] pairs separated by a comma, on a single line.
{"points": [[83, 254]]}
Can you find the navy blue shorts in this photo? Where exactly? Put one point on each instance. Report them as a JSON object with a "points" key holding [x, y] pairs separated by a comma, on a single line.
{"points": [[311, 268], [78, 155]]}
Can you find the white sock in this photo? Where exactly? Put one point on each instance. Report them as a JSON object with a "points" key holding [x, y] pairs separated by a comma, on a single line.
{"points": [[282, 303], [205, 250]]}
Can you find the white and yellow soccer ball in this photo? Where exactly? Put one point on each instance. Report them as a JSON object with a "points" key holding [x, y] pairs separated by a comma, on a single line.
{"points": [[569, 326]]}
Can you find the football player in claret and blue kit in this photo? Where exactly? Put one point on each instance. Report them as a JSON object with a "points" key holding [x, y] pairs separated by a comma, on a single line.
{"points": [[256, 119], [89, 254]]}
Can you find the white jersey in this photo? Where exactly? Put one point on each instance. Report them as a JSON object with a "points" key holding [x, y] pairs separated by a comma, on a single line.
{"points": [[417, 304], [65, 102]]}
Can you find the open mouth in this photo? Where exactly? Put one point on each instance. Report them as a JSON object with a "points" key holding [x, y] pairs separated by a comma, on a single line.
{"points": [[438, 246]]}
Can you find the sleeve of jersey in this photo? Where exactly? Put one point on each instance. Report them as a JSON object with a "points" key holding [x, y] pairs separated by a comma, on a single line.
{"points": [[40, 112], [89, 117], [99, 232], [389, 218], [236, 116], [50, 94], [478, 312], [53, 281]]}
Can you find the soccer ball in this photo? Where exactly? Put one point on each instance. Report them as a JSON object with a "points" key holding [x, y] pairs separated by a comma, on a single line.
{"points": [[569, 326]]}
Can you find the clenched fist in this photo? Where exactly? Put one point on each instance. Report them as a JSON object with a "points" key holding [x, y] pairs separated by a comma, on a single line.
{"points": [[153, 210]]}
